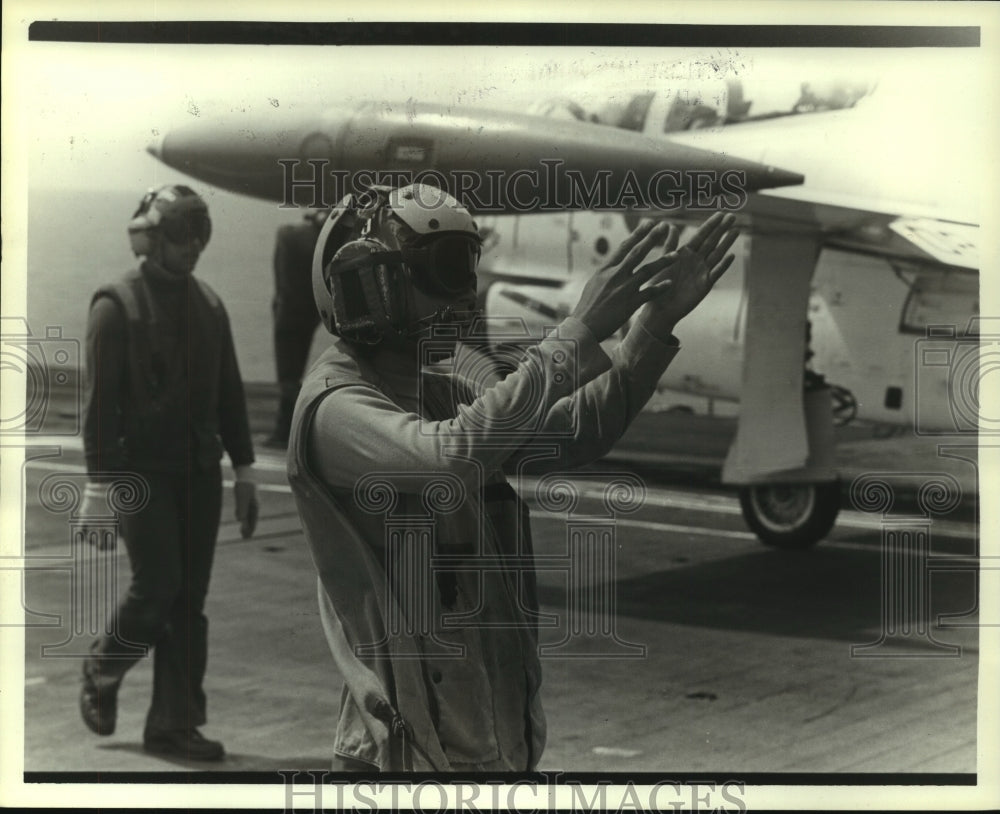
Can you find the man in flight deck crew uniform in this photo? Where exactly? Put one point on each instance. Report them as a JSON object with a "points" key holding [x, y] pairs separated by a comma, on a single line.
{"points": [[378, 441], [293, 309], [164, 398]]}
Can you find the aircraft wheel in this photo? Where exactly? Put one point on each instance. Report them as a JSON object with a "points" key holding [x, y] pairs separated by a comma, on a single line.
{"points": [[791, 516]]}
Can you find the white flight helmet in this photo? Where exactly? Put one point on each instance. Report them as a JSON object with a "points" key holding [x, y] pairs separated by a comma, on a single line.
{"points": [[415, 235]]}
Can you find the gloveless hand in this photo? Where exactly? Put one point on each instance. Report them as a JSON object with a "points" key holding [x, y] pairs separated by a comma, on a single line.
{"points": [[619, 288], [688, 273]]}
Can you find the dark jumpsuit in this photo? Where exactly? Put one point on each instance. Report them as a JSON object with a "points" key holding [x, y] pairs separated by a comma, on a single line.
{"points": [[295, 316], [164, 397]]}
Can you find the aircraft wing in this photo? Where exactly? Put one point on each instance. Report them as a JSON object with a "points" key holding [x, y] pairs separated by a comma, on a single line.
{"points": [[867, 187], [864, 227], [955, 244], [498, 162], [867, 190]]}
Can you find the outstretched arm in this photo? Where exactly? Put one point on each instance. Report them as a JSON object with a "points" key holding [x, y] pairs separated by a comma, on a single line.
{"points": [[585, 426], [358, 425]]}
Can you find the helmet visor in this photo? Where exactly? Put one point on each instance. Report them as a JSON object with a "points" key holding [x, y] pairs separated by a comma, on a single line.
{"points": [[184, 228], [445, 265]]}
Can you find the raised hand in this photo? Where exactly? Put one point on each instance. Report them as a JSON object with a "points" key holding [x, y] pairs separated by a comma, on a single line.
{"points": [[616, 290], [688, 273]]}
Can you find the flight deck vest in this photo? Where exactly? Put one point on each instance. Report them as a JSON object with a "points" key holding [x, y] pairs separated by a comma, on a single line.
{"points": [[386, 717], [170, 416]]}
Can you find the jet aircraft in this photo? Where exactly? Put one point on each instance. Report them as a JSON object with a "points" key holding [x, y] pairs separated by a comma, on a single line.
{"points": [[798, 329]]}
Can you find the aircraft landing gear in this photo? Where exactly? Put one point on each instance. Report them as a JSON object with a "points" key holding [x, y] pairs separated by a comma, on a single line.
{"points": [[793, 515]]}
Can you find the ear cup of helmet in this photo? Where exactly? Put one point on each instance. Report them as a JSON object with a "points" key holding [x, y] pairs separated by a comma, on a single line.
{"points": [[341, 226], [367, 285], [139, 237]]}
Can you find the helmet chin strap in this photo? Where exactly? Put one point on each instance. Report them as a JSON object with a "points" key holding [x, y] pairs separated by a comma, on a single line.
{"points": [[444, 316]]}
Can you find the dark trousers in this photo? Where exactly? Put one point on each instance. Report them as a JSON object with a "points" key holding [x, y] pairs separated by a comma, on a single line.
{"points": [[293, 307], [295, 321], [292, 340], [170, 544]]}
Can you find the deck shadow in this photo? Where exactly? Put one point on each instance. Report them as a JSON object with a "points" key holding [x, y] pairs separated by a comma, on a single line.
{"points": [[831, 593]]}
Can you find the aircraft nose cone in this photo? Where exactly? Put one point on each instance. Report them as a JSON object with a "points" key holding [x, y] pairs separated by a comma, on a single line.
{"points": [[777, 177], [244, 153], [155, 148]]}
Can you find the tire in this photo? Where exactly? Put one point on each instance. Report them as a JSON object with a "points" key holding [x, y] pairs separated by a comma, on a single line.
{"points": [[791, 516]]}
